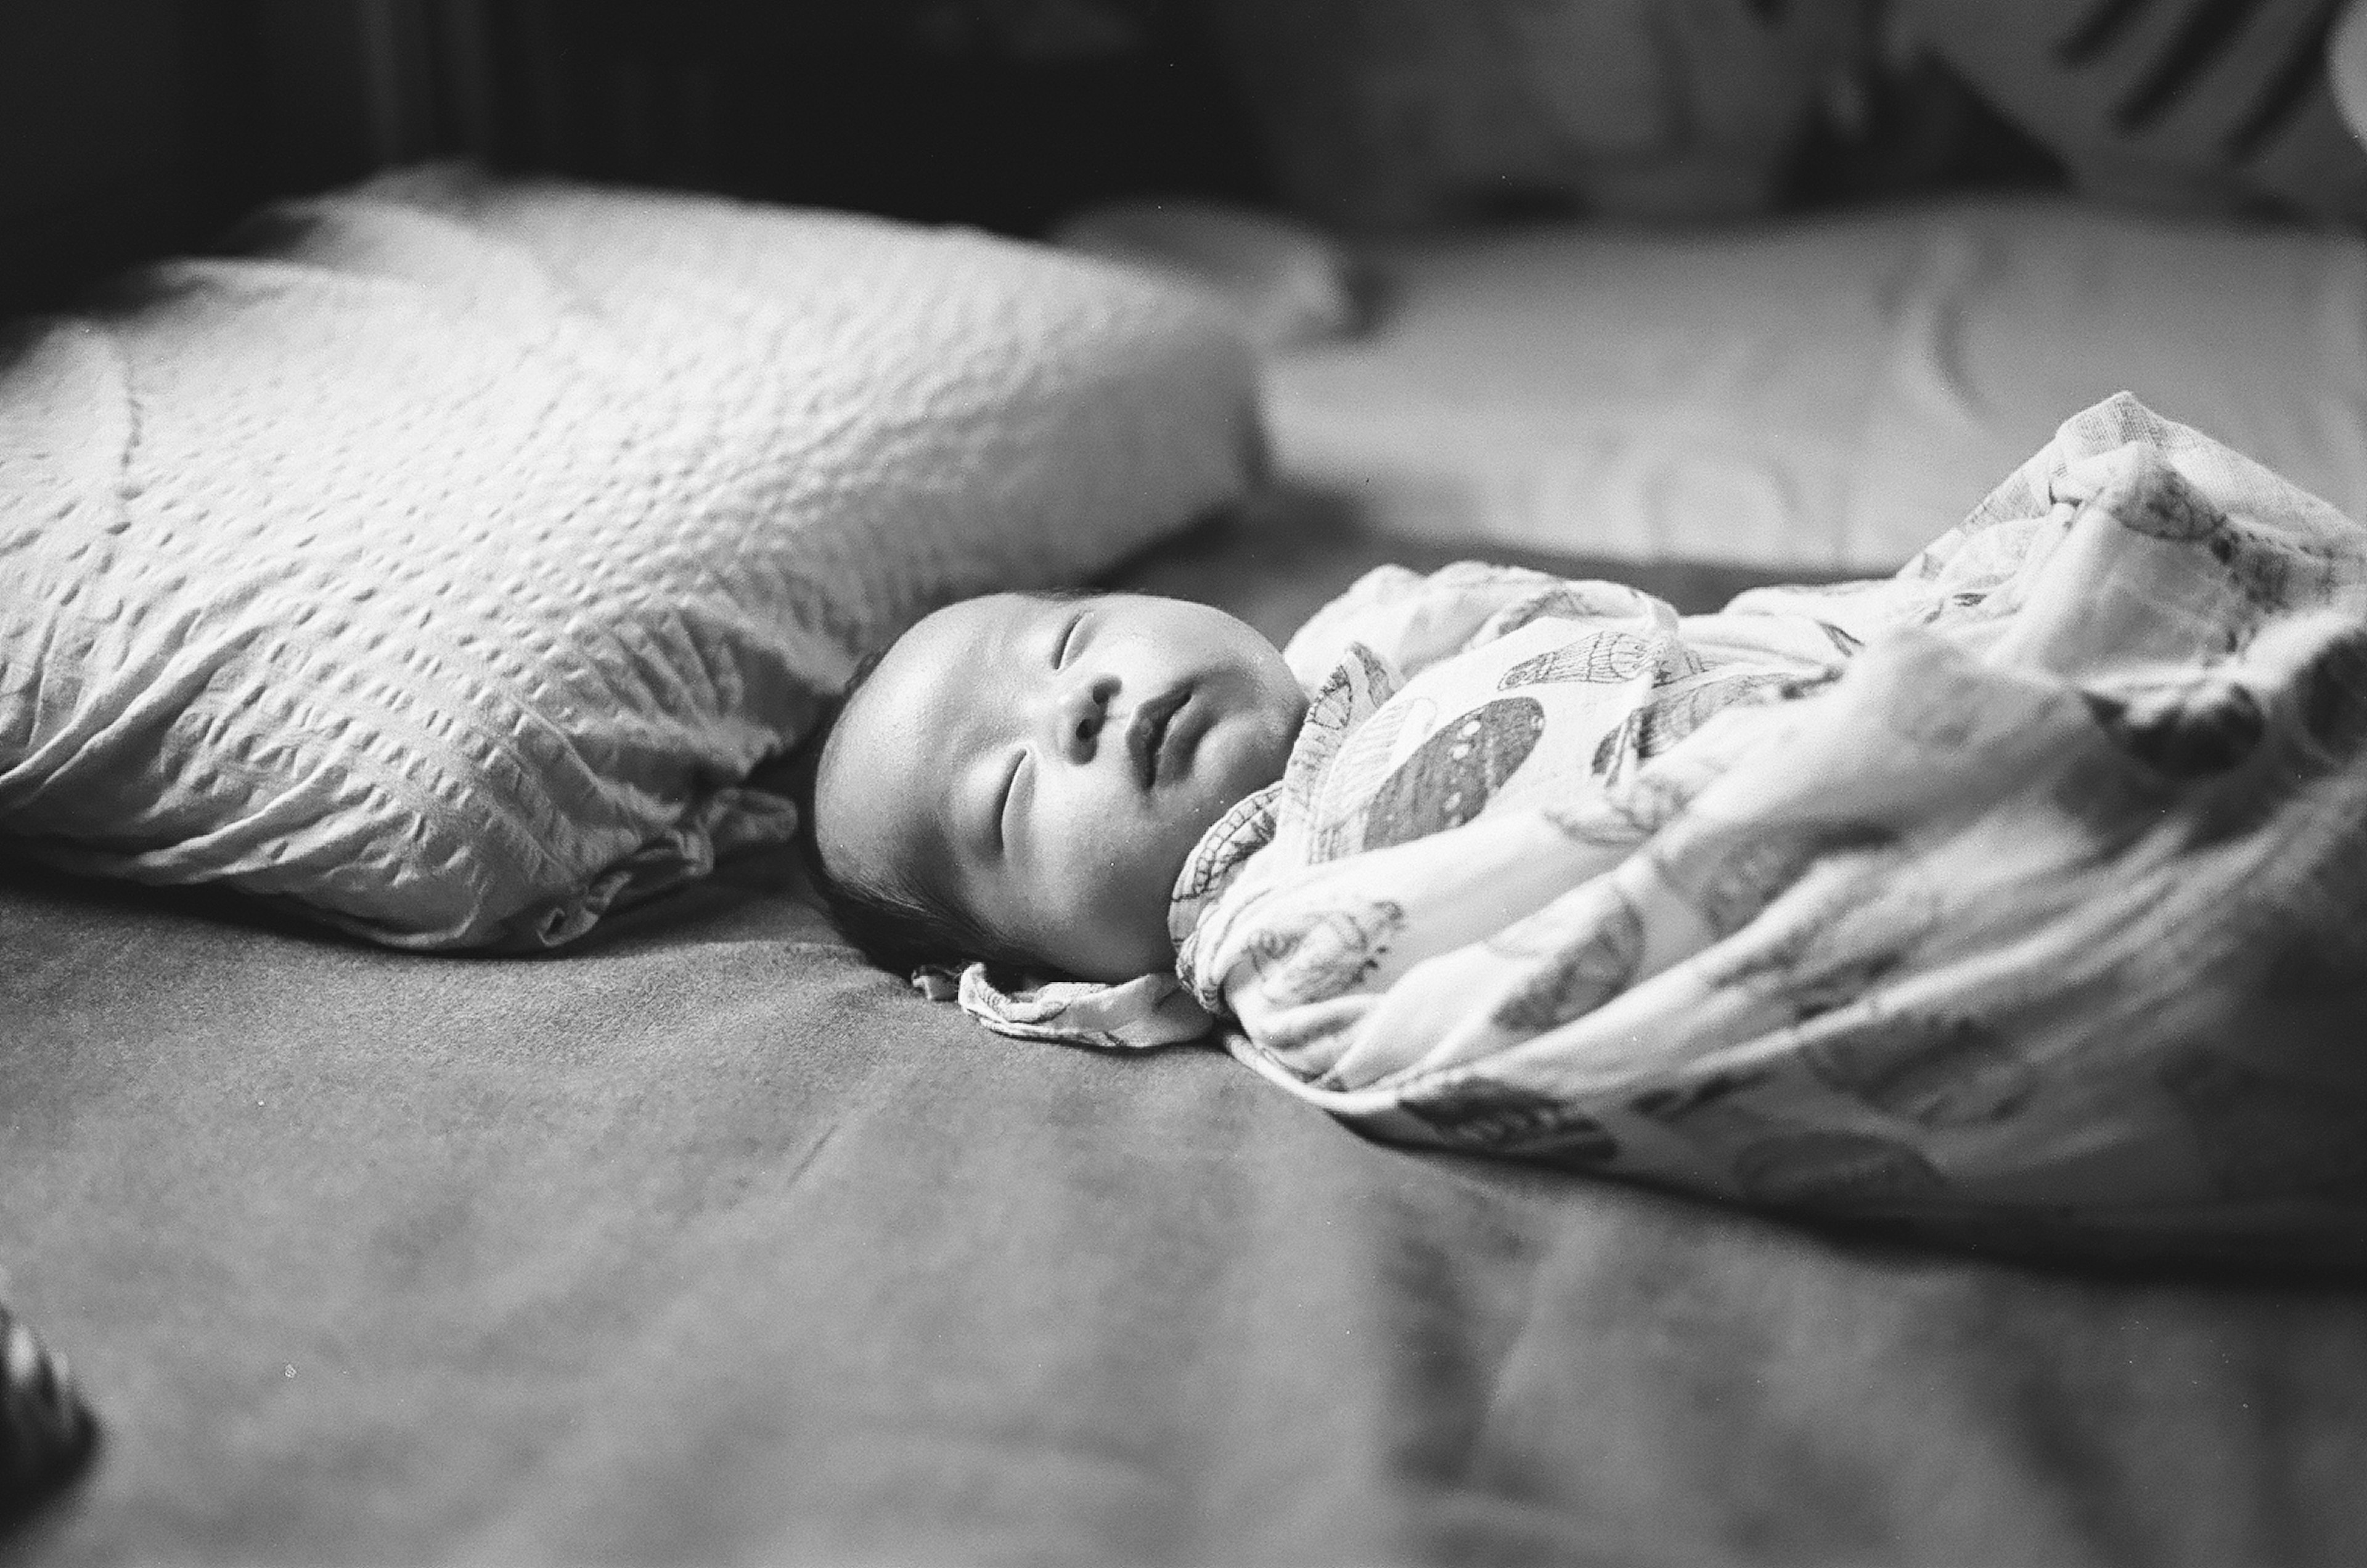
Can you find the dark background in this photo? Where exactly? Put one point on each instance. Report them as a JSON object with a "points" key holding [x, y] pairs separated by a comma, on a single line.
{"points": [[130, 127]]}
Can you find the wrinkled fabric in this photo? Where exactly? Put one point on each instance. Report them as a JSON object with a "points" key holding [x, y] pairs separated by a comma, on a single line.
{"points": [[2049, 911], [707, 1242], [1140, 1014]]}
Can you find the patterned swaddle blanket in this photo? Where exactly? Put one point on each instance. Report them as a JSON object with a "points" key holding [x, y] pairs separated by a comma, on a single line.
{"points": [[2019, 897]]}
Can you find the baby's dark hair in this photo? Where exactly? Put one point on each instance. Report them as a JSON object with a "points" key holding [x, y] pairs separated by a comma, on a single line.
{"points": [[898, 927]]}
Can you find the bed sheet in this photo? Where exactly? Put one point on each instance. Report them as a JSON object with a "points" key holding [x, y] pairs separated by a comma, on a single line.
{"points": [[1829, 393], [705, 1241]]}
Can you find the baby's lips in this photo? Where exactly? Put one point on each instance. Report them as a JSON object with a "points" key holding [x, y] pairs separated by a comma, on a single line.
{"points": [[1146, 734]]}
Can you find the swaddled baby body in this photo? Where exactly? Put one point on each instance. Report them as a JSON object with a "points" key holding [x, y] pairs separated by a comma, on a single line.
{"points": [[2014, 898]]}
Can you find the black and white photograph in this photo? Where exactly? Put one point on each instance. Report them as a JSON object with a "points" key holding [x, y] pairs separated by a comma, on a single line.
{"points": [[1373, 783]]}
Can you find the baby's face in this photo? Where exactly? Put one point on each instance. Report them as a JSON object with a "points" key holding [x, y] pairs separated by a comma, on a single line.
{"points": [[1045, 766]]}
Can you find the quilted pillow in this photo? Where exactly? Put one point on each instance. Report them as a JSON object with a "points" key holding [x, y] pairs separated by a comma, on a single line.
{"points": [[446, 561]]}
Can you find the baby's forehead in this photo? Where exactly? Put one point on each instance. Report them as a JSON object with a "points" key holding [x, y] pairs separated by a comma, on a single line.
{"points": [[901, 711], [947, 643], [931, 677], [966, 626], [879, 778], [887, 771]]}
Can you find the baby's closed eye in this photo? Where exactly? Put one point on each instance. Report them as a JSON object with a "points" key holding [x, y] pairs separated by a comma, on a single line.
{"points": [[1003, 798]]}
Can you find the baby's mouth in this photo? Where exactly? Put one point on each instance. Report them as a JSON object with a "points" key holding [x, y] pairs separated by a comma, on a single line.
{"points": [[1146, 737]]}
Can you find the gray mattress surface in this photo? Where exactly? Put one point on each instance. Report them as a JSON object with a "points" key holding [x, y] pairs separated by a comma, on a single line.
{"points": [[705, 1241]]}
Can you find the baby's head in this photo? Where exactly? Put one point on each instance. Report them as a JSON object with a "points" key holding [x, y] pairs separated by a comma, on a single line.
{"points": [[1021, 777]]}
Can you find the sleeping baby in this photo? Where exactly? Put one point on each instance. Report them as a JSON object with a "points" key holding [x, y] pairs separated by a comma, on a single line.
{"points": [[2014, 898], [1052, 783], [1020, 778]]}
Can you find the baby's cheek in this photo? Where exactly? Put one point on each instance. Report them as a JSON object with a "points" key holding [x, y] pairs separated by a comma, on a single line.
{"points": [[1108, 865], [1129, 870]]}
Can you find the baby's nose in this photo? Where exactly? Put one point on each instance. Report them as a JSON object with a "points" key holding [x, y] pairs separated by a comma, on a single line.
{"points": [[1079, 710]]}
